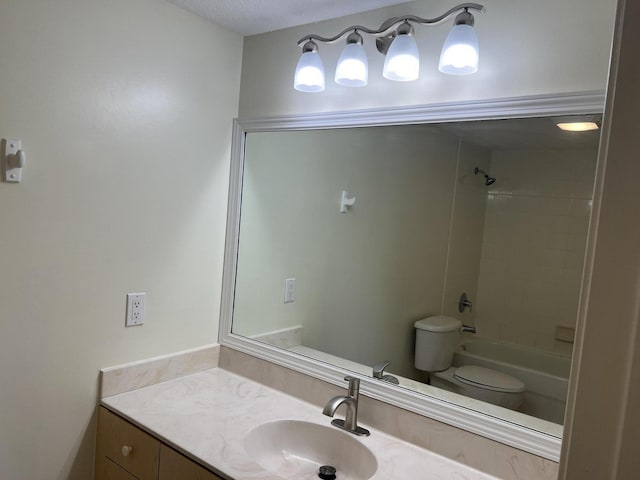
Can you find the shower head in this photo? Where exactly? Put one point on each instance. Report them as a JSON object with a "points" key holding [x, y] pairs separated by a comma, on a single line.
{"points": [[487, 179]]}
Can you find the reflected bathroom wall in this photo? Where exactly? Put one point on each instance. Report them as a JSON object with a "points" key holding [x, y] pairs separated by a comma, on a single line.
{"points": [[424, 227], [467, 228], [362, 277], [533, 246]]}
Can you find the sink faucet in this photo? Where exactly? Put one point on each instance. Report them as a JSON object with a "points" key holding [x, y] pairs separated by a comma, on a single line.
{"points": [[350, 400], [378, 372]]}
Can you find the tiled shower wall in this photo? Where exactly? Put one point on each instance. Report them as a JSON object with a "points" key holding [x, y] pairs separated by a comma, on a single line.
{"points": [[535, 233]]}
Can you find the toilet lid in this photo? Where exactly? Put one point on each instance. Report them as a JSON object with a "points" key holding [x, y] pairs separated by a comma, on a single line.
{"points": [[438, 323], [487, 378]]}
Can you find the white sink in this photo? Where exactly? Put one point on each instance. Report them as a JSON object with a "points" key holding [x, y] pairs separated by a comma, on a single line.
{"points": [[295, 450]]}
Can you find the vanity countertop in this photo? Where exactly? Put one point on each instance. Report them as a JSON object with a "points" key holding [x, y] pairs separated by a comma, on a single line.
{"points": [[206, 416]]}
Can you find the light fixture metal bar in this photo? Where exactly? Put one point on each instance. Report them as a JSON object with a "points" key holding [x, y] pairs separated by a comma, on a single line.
{"points": [[389, 25]]}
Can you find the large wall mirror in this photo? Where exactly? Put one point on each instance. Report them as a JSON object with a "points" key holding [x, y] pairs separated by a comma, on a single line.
{"points": [[352, 235]]}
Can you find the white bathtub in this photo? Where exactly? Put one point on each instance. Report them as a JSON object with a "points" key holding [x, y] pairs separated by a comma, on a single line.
{"points": [[545, 374]]}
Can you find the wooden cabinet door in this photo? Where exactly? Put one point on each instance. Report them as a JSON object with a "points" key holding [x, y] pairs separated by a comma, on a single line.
{"points": [[108, 470], [174, 466], [114, 433]]}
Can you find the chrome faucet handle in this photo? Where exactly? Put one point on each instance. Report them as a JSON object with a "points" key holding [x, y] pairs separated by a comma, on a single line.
{"points": [[378, 369], [378, 373], [464, 303]]}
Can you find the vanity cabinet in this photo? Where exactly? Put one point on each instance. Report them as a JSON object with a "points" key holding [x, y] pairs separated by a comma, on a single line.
{"points": [[124, 452], [112, 471], [174, 466]]}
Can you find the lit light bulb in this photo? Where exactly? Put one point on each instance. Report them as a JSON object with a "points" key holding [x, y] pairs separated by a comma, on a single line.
{"points": [[459, 54], [353, 66], [309, 76], [403, 59]]}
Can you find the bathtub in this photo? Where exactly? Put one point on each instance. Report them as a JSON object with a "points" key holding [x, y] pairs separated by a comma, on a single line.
{"points": [[545, 374]]}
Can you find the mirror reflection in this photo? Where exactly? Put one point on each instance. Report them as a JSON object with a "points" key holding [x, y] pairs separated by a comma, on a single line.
{"points": [[453, 251]]}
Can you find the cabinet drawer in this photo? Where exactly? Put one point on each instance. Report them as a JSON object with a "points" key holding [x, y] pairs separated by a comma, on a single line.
{"points": [[174, 466], [141, 453], [108, 470]]}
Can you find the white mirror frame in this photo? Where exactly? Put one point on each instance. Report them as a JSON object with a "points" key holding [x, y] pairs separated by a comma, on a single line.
{"points": [[523, 438]]}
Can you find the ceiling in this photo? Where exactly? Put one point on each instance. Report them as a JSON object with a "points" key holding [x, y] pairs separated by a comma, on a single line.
{"points": [[250, 17]]}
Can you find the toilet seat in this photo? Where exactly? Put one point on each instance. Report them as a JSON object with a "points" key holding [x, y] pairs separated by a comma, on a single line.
{"points": [[489, 379]]}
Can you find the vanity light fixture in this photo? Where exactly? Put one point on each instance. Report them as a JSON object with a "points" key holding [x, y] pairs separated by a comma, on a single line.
{"points": [[394, 39]]}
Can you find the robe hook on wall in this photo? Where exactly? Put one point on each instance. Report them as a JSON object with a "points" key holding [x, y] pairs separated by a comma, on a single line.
{"points": [[13, 160], [346, 201]]}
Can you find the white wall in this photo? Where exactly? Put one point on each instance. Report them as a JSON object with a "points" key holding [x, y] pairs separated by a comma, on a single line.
{"points": [[527, 48], [602, 423], [533, 246], [467, 226], [124, 109]]}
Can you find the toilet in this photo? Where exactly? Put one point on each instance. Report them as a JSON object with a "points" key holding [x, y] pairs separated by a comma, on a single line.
{"points": [[436, 339]]}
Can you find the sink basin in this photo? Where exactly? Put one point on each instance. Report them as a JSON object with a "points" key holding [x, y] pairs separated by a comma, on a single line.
{"points": [[295, 450]]}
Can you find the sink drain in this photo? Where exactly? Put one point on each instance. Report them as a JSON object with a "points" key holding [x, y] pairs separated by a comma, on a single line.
{"points": [[327, 472]]}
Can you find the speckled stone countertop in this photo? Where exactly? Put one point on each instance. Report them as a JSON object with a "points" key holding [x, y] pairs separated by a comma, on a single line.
{"points": [[207, 415]]}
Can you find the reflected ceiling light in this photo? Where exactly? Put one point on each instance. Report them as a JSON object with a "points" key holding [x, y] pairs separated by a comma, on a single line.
{"points": [[353, 67], [460, 51], [309, 75], [578, 123], [578, 126], [394, 39]]}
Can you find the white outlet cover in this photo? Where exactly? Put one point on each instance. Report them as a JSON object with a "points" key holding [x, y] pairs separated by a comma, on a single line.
{"points": [[135, 309]]}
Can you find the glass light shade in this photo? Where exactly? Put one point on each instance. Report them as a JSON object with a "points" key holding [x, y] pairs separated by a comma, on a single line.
{"points": [[578, 126], [460, 51], [309, 75], [403, 61], [353, 67]]}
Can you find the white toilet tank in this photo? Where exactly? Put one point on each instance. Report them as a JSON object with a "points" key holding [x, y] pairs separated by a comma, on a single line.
{"points": [[436, 340]]}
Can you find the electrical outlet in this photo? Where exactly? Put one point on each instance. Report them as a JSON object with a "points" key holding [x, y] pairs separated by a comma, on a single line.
{"points": [[135, 309], [289, 290]]}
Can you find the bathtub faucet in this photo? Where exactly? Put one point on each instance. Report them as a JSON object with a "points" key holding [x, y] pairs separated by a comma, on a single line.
{"points": [[467, 328], [464, 303]]}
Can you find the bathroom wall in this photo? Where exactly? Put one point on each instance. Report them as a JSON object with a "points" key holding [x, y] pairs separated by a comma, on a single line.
{"points": [[602, 422], [125, 119], [467, 227], [527, 48], [534, 245]]}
